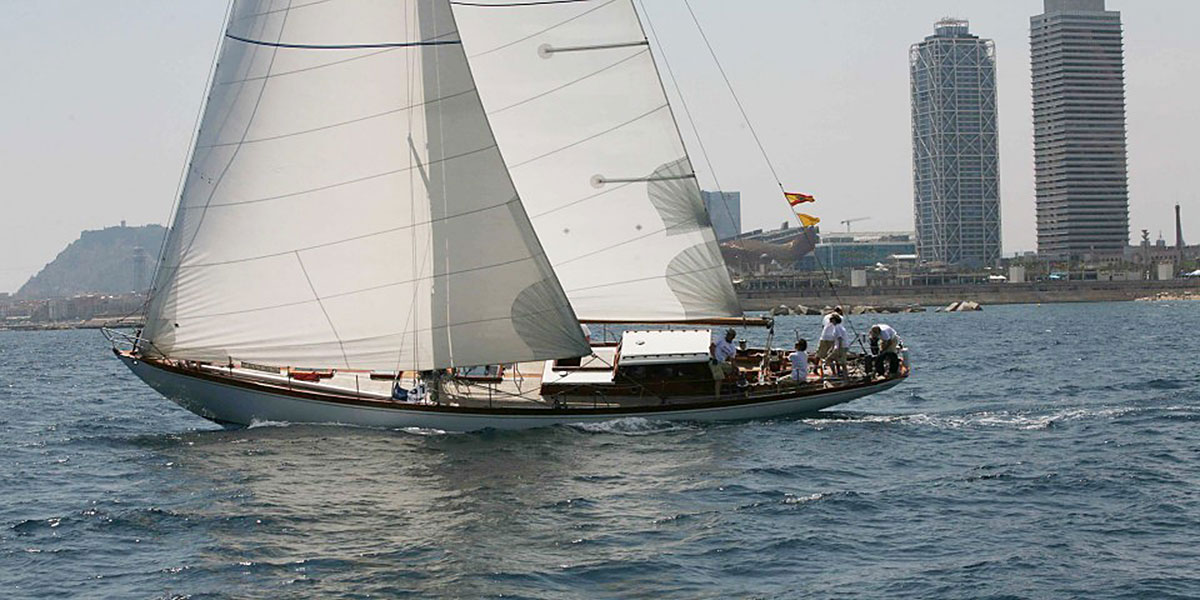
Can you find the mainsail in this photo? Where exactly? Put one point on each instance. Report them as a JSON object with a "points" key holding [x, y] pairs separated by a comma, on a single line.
{"points": [[347, 206], [579, 111]]}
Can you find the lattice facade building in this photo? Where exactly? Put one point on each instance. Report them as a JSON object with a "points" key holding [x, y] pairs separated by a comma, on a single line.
{"points": [[956, 158]]}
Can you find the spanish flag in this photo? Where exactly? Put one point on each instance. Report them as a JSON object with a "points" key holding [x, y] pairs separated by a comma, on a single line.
{"points": [[807, 220], [794, 198]]}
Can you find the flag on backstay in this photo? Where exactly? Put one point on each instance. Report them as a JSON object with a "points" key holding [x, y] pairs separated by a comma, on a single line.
{"points": [[807, 220], [794, 198]]}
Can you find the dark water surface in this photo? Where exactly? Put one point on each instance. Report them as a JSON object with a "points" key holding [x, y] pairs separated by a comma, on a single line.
{"points": [[1039, 452]]}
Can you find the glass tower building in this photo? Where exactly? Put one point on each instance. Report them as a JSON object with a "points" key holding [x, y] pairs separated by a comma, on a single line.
{"points": [[1079, 129], [955, 146], [725, 211]]}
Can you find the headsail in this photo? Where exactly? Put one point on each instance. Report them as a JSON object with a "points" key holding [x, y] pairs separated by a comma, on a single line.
{"points": [[347, 205], [581, 116]]}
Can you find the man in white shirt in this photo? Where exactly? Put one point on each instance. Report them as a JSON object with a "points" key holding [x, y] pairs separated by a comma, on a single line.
{"points": [[831, 337], [837, 310], [722, 365], [847, 342], [888, 342], [843, 346], [799, 360]]}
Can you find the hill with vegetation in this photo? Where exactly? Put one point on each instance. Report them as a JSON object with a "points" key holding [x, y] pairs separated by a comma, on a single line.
{"points": [[113, 260]]}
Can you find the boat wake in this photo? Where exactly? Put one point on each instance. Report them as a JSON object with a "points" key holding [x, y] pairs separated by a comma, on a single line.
{"points": [[257, 424], [419, 431], [1027, 421], [632, 426]]}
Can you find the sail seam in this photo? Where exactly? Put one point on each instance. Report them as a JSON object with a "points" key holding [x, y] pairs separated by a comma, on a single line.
{"points": [[339, 124], [536, 33], [233, 157], [362, 290], [358, 340], [305, 69], [569, 83], [288, 46], [581, 200], [315, 67], [345, 240], [616, 245], [651, 278], [317, 297], [343, 183], [289, 7], [590, 137]]}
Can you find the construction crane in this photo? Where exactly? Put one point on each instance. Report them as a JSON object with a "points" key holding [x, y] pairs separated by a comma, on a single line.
{"points": [[847, 222]]}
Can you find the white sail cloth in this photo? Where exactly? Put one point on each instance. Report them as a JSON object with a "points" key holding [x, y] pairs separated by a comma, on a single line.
{"points": [[346, 205], [578, 109]]}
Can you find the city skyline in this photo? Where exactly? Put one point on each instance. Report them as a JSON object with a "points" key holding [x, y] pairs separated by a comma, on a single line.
{"points": [[99, 127], [956, 187]]}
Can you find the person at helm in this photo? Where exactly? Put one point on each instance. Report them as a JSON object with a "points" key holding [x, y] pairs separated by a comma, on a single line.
{"points": [[722, 353]]}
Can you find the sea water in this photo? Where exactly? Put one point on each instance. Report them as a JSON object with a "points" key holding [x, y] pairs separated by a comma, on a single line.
{"points": [[1037, 452]]}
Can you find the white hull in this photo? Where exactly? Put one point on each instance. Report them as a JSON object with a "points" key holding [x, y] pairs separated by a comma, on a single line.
{"points": [[241, 405]]}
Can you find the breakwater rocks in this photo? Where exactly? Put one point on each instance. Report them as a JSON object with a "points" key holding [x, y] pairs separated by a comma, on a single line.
{"points": [[1170, 296], [961, 306], [800, 309]]}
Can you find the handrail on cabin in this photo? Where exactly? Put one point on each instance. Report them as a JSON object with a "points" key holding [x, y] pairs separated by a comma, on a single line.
{"points": [[722, 321]]}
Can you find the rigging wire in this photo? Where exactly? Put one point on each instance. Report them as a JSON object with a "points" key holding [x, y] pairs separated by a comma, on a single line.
{"points": [[766, 158], [732, 93], [162, 246], [686, 111]]}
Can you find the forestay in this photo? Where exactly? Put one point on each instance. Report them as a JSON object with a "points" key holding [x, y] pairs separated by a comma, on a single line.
{"points": [[346, 205], [575, 101]]}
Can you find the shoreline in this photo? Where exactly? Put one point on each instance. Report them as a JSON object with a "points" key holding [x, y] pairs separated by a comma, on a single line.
{"points": [[1040, 292], [97, 323], [930, 297]]}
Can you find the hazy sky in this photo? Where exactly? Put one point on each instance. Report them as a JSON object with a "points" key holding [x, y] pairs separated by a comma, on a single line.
{"points": [[98, 100]]}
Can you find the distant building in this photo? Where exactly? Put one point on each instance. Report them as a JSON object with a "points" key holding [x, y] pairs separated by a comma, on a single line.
{"points": [[858, 250], [956, 185], [725, 210], [1079, 129]]}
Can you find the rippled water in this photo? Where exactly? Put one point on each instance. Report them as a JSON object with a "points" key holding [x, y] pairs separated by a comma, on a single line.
{"points": [[1039, 451]]}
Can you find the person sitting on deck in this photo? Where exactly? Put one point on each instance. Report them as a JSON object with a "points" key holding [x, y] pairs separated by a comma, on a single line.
{"points": [[831, 337], [723, 352], [885, 338], [799, 360]]}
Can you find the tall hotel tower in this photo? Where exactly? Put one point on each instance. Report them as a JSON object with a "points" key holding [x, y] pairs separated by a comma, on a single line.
{"points": [[955, 154], [1079, 129]]}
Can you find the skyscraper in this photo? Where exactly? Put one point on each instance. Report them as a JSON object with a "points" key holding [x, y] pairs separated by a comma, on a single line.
{"points": [[725, 211], [1079, 129], [955, 146]]}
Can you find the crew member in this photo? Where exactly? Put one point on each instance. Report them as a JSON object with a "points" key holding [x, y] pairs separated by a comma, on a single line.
{"points": [[888, 356], [721, 361], [847, 342], [831, 337], [799, 360]]}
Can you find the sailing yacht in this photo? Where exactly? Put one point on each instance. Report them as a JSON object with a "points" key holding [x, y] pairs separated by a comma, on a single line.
{"points": [[398, 213]]}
